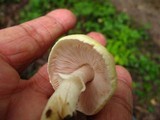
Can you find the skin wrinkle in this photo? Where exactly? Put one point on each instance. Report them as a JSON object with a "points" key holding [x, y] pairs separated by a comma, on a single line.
{"points": [[18, 65], [129, 86], [43, 89], [33, 34], [11, 45], [17, 54], [4, 58], [33, 39], [119, 100], [124, 116], [121, 72], [2, 52], [5, 113], [23, 84], [46, 28], [14, 101], [37, 35], [53, 18], [126, 104], [15, 90], [14, 81], [8, 36], [34, 89], [13, 56], [56, 22]]}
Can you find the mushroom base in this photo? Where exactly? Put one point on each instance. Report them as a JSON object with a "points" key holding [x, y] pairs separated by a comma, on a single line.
{"points": [[62, 104]]}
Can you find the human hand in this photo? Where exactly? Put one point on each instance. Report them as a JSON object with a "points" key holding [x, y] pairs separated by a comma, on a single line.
{"points": [[22, 44]]}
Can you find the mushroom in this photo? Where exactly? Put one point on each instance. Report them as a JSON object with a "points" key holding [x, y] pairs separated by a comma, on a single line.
{"points": [[82, 72]]}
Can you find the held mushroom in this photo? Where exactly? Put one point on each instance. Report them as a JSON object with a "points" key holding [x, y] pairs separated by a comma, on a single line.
{"points": [[82, 72]]}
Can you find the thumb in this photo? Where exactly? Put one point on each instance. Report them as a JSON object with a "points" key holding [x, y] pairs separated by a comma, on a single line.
{"points": [[9, 78]]}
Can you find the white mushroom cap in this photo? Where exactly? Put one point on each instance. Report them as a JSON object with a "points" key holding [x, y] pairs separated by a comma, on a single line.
{"points": [[74, 51]]}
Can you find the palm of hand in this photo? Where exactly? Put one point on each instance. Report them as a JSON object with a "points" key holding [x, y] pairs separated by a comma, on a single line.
{"points": [[17, 100]]}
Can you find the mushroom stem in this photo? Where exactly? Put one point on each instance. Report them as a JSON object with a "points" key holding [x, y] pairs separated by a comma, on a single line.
{"points": [[62, 104], [85, 73]]}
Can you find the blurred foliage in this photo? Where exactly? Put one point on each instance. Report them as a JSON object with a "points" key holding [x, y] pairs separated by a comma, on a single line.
{"points": [[9, 1], [124, 40], [9, 12]]}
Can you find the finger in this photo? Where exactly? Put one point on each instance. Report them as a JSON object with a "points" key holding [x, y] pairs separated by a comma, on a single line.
{"points": [[9, 79], [99, 37], [40, 79], [40, 82], [21, 44], [120, 105]]}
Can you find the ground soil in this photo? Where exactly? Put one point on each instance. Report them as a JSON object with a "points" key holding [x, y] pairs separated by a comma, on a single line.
{"points": [[9, 12], [144, 12]]}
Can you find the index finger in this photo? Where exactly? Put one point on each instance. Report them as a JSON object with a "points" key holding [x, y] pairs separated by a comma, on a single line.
{"points": [[21, 44]]}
